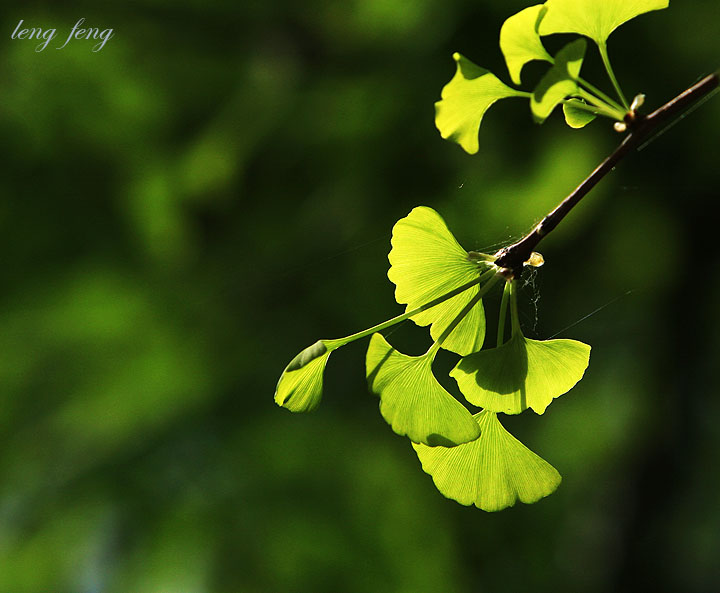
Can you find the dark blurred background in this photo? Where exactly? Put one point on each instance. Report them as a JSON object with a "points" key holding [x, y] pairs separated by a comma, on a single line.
{"points": [[186, 209]]}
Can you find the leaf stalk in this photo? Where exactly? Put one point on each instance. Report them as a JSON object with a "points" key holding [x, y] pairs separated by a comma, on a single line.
{"points": [[596, 91], [606, 61], [503, 315], [488, 275]]}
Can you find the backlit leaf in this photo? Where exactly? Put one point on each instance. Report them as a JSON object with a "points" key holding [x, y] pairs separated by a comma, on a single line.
{"points": [[576, 117], [560, 81], [491, 472], [521, 374], [520, 41], [465, 99], [300, 386], [411, 399], [593, 18], [427, 262]]}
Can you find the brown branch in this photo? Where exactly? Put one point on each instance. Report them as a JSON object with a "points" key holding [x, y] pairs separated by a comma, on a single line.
{"points": [[640, 129]]}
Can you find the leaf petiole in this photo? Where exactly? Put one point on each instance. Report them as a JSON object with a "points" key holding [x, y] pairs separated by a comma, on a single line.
{"points": [[503, 315], [602, 107], [596, 91], [515, 317], [606, 61], [465, 310], [395, 320]]}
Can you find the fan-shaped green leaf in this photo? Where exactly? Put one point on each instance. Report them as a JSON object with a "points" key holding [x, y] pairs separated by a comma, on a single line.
{"points": [[577, 117], [560, 81], [491, 472], [300, 386], [427, 262], [411, 399], [520, 41], [465, 99], [521, 374], [593, 18]]}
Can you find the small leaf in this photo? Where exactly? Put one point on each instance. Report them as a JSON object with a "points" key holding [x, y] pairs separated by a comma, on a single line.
{"points": [[411, 399], [560, 81], [576, 117], [465, 99], [300, 386], [491, 472], [520, 41], [521, 374], [426, 262], [596, 19]]}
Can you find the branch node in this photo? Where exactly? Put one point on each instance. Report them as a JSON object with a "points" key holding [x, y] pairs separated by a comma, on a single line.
{"points": [[507, 273]]}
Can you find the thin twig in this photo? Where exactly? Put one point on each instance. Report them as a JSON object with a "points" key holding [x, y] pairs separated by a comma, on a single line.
{"points": [[640, 128]]}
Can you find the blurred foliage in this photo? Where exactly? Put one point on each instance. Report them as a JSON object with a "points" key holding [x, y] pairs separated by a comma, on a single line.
{"points": [[186, 209]]}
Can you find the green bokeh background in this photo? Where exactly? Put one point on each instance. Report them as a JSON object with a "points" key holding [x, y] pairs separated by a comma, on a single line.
{"points": [[186, 209]]}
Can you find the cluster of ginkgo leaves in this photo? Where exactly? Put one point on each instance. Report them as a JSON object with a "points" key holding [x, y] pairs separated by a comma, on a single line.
{"points": [[473, 89], [471, 457]]}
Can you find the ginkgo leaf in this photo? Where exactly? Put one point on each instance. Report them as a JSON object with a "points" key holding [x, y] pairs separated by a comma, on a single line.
{"points": [[411, 399], [491, 472], [596, 19], [465, 99], [520, 41], [300, 386], [521, 374], [560, 81], [427, 262], [577, 117]]}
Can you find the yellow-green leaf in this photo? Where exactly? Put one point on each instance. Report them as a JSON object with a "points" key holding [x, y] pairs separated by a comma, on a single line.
{"points": [[596, 19], [491, 472], [427, 262], [560, 81], [465, 99], [520, 41], [521, 374], [300, 386], [575, 116], [411, 399]]}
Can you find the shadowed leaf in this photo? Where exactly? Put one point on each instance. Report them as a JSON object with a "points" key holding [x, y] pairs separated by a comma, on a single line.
{"points": [[465, 99], [300, 386], [520, 41], [411, 399], [491, 472], [427, 262], [576, 117], [521, 374], [560, 81]]}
